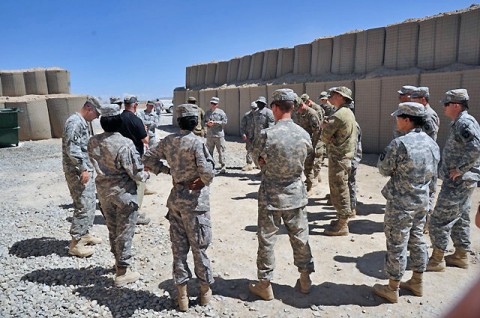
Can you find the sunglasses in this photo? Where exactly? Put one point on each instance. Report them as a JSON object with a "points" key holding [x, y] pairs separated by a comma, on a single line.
{"points": [[448, 104]]}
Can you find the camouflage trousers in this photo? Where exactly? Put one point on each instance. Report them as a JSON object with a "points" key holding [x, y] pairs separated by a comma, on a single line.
{"points": [[219, 143], [403, 227], [309, 169], [352, 184], [84, 203], [190, 229], [121, 219], [296, 222], [319, 158], [451, 216], [249, 148], [338, 173]]}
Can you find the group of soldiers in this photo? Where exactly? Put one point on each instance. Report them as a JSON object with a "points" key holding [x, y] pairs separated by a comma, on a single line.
{"points": [[287, 140]]}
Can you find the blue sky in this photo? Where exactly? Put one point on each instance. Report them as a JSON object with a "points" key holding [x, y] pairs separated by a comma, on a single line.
{"points": [[142, 47]]}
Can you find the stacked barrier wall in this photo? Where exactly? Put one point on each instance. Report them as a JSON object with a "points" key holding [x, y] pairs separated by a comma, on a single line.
{"points": [[244, 68], [322, 50], [13, 84], [270, 60], [232, 72], [469, 39], [35, 82], [59, 109], [222, 72], [369, 50], [58, 81], [211, 71], [343, 57], [367, 112], [303, 59], [401, 45], [33, 118], [256, 66], [285, 61]]}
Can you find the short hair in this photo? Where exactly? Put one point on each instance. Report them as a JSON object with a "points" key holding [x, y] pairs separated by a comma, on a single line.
{"points": [[416, 120], [111, 123], [284, 105], [464, 104], [188, 122]]}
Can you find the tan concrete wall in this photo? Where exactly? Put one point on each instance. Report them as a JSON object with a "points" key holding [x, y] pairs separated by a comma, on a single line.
{"points": [[322, 50], [401, 44], [256, 66], [343, 57], [211, 71], [221, 74], [58, 81], [269, 67], [369, 50], [60, 108], [303, 59], [469, 38], [35, 82], [232, 72], [201, 74], [231, 106], [13, 83], [285, 61], [244, 68], [367, 112], [33, 118]]}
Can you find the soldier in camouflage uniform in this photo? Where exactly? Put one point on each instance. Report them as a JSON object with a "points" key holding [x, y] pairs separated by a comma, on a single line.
{"points": [[328, 108], [151, 121], [118, 167], [307, 118], [460, 172], [246, 131], [263, 117], [411, 163], [281, 152], [192, 170], [78, 171], [339, 133], [352, 178], [432, 123], [200, 128], [215, 120]]}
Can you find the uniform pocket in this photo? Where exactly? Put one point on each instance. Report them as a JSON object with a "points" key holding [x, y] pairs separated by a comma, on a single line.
{"points": [[203, 230]]}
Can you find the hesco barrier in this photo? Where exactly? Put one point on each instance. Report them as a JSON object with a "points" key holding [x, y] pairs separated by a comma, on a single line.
{"points": [[33, 117], [285, 61], [269, 67], [302, 59], [256, 66], [13, 83], [35, 82], [401, 44], [221, 74], [210, 73], [58, 81], [244, 68], [60, 108], [321, 56]]}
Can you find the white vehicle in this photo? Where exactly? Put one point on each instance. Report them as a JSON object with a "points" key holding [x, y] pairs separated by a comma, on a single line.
{"points": [[167, 105]]}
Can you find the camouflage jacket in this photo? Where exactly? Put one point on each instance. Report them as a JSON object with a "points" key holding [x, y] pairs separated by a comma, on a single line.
{"points": [[328, 109], [284, 147], [200, 128], [262, 118], [340, 134], [358, 148], [151, 120], [411, 162], [74, 145], [319, 110], [189, 159], [219, 119], [462, 148], [308, 120], [247, 125], [432, 123]]}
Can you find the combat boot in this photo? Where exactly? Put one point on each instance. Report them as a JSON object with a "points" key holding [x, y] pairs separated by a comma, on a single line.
{"points": [[182, 297], [304, 283], [458, 259], [414, 284], [389, 292], [90, 239], [354, 213], [205, 294], [436, 263], [79, 249], [338, 228], [125, 276], [142, 219], [262, 289], [223, 170]]}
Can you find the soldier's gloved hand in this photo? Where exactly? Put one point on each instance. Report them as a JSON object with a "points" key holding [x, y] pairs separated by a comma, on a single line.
{"points": [[196, 184]]}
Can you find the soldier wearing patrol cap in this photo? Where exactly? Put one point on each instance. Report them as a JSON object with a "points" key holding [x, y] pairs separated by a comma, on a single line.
{"points": [[281, 151], [405, 92], [151, 121], [192, 170], [339, 133], [460, 172], [411, 163], [215, 120], [78, 171], [119, 168], [328, 108], [200, 128], [262, 118], [116, 100], [247, 133]]}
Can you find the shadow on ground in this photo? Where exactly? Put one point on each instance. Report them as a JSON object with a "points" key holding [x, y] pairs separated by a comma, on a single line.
{"points": [[42, 246], [370, 264]]}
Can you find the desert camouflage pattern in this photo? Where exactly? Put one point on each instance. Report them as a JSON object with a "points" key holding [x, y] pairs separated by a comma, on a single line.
{"points": [[352, 178], [263, 118], [75, 160], [247, 128], [432, 122], [328, 109], [200, 128], [451, 214], [219, 118], [151, 120], [282, 194], [188, 210], [118, 167]]}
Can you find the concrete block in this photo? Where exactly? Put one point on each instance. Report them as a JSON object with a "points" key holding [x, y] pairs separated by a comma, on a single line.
{"points": [[231, 106], [343, 57], [201, 74], [270, 60], [13, 83], [232, 72], [401, 44], [389, 103], [439, 83], [35, 82], [58, 81], [221, 74], [446, 39], [60, 107], [302, 59], [322, 50], [244, 68], [210, 73], [469, 39], [256, 66], [285, 61], [33, 118], [369, 50], [367, 112]]}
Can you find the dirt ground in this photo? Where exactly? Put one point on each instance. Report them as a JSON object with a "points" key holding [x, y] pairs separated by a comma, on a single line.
{"points": [[346, 267]]}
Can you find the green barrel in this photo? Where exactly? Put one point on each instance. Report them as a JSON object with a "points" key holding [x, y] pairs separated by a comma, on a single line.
{"points": [[9, 126]]}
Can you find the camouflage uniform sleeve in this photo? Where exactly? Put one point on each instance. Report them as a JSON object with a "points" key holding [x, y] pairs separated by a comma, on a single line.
{"points": [[243, 125], [205, 163], [315, 124], [224, 119], [129, 159], [472, 148], [80, 159], [387, 162], [270, 120], [152, 159], [330, 129], [259, 147]]}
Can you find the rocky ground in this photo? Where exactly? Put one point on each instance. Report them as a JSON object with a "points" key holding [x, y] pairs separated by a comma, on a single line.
{"points": [[39, 279]]}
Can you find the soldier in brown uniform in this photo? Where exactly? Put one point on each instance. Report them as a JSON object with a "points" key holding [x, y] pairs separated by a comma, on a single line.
{"points": [[199, 130]]}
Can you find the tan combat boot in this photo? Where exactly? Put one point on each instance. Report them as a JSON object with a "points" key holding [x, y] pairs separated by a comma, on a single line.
{"points": [[458, 259], [79, 249], [182, 297], [436, 263], [389, 292], [125, 276], [304, 283], [262, 289], [205, 294], [90, 239], [414, 284], [338, 228], [354, 213]]}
